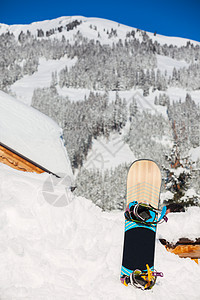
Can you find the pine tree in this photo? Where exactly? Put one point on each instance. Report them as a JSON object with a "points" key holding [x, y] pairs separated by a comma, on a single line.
{"points": [[178, 179]]}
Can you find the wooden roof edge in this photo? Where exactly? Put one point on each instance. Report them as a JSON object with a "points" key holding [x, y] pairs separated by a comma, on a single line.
{"points": [[181, 241], [28, 159]]}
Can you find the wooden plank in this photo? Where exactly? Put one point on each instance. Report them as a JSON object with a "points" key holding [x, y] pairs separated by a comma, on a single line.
{"points": [[17, 161], [9, 158], [191, 251], [184, 247]]}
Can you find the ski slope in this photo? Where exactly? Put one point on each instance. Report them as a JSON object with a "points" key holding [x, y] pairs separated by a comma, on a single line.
{"points": [[24, 87], [106, 154], [72, 250]]}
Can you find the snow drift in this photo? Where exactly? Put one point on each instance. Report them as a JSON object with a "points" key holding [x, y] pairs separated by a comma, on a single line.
{"points": [[73, 251]]}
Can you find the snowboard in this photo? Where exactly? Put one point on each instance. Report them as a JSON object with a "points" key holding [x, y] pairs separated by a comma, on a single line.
{"points": [[143, 186]]}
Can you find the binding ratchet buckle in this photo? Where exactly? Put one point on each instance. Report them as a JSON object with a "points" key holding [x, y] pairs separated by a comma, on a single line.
{"points": [[144, 280], [145, 213]]}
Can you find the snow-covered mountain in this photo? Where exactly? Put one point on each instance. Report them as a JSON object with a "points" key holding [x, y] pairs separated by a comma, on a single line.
{"points": [[88, 27], [101, 30], [119, 93]]}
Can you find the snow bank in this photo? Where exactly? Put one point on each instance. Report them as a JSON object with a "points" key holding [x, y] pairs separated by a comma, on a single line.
{"points": [[73, 251], [181, 225]]}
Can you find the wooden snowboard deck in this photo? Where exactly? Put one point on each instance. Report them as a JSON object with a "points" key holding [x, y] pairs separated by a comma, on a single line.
{"points": [[143, 182]]}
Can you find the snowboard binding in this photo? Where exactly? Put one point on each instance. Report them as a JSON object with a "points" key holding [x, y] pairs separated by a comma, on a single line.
{"points": [[143, 280], [144, 213]]}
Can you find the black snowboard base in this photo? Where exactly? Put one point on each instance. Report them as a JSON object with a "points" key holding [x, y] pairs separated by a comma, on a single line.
{"points": [[137, 253]]}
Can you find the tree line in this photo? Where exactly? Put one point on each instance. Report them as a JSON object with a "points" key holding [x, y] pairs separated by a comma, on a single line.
{"points": [[120, 66]]}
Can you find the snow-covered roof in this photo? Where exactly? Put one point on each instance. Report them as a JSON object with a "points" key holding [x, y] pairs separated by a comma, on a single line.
{"points": [[33, 135]]}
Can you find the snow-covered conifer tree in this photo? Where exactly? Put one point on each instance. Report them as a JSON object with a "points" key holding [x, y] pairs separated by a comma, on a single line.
{"points": [[178, 179]]}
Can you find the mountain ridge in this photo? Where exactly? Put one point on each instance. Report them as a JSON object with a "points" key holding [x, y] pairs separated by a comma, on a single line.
{"points": [[65, 20]]}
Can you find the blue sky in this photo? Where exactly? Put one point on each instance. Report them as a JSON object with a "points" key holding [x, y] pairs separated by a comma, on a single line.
{"points": [[168, 17]]}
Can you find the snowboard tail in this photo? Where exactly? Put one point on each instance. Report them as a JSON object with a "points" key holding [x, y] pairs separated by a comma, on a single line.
{"points": [[143, 186]]}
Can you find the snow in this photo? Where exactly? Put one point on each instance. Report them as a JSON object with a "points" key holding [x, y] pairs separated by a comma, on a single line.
{"points": [[178, 171], [194, 153], [178, 223], [73, 94], [87, 28], [177, 94], [109, 153], [170, 40], [33, 27], [32, 134], [165, 196], [166, 63], [23, 89], [74, 251]]}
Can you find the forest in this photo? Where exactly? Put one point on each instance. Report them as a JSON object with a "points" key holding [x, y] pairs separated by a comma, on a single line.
{"points": [[149, 135], [118, 66]]}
